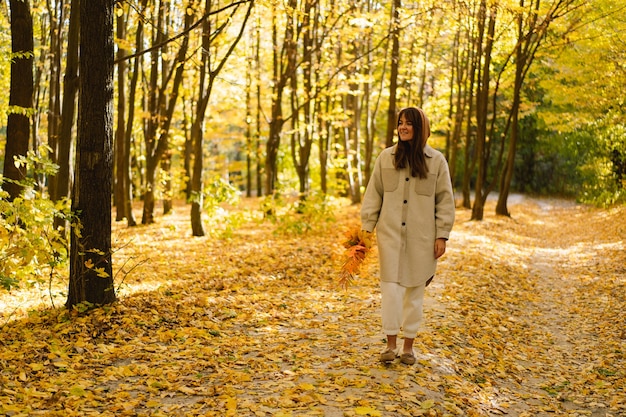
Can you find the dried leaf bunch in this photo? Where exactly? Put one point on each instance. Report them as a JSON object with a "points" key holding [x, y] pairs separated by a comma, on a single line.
{"points": [[358, 245]]}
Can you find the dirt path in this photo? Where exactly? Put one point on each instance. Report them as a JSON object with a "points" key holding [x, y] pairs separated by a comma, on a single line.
{"points": [[506, 332], [559, 281]]}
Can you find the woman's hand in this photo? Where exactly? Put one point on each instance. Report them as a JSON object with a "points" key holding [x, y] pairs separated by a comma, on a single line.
{"points": [[440, 247]]}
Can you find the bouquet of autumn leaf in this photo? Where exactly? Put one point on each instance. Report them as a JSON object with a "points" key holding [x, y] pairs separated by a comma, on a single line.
{"points": [[358, 245]]}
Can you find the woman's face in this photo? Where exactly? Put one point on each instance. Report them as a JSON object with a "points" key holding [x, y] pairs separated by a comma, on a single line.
{"points": [[405, 129]]}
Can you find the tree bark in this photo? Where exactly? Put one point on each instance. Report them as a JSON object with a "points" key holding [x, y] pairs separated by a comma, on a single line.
{"points": [[282, 71], [20, 96], [55, 32], [161, 106], [249, 134], [527, 45], [63, 178], [208, 74], [91, 277], [507, 175], [259, 109], [127, 166], [120, 130], [482, 109], [302, 136], [393, 77]]}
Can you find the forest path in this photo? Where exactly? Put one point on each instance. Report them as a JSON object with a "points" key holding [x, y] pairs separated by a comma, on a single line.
{"points": [[554, 277], [525, 318]]}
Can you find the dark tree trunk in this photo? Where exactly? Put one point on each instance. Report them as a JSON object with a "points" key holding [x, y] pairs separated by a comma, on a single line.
{"points": [[482, 108], [208, 74], [469, 158], [128, 136], [120, 135], [259, 110], [162, 104], [63, 179], [20, 96], [52, 62], [166, 166], [249, 134], [282, 71], [91, 278], [507, 175]]}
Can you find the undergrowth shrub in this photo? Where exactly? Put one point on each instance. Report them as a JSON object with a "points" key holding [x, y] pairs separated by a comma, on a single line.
{"points": [[299, 215], [32, 251], [219, 192]]}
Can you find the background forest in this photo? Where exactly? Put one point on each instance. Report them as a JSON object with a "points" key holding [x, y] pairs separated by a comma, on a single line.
{"points": [[296, 98]]}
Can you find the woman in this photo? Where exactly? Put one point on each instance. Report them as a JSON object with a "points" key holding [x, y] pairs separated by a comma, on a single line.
{"points": [[410, 202]]}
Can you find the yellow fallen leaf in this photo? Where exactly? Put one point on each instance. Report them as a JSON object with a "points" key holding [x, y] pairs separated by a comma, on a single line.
{"points": [[426, 404], [77, 391], [60, 364], [36, 366], [367, 411], [186, 390], [231, 404]]}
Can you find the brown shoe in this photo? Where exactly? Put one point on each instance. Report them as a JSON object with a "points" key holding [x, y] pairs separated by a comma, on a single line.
{"points": [[388, 355], [407, 358]]}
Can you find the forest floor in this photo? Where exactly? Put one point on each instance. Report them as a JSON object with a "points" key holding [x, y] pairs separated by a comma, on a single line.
{"points": [[526, 317]]}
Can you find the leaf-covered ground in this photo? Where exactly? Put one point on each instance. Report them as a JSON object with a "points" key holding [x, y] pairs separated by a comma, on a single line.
{"points": [[526, 317]]}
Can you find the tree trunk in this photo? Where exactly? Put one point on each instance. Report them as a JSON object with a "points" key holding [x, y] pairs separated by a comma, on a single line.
{"points": [[91, 275], [302, 138], [469, 160], [208, 74], [197, 194], [126, 167], [63, 178], [482, 108], [249, 134], [282, 71], [507, 175], [166, 166], [162, 103], [355, 155], [259, 110], [188, 149], [120, 131], [526, 49], [53, 62], [324, 141], [393, 78], [370, 117], [20, 96], [346, 144]]}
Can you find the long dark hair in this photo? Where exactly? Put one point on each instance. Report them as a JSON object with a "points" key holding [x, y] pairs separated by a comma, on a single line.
{"points": [[412, 152]]}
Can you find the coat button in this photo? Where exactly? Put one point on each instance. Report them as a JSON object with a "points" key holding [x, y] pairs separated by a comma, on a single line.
{"points": [[405, 201], [403, 224], [406, 179]]}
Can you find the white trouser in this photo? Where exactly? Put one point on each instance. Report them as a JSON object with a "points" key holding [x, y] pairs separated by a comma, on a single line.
{"points": [[401, 308]]}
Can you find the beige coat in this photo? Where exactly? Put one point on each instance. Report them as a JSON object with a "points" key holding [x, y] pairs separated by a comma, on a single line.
{"points": [[409, 214]]}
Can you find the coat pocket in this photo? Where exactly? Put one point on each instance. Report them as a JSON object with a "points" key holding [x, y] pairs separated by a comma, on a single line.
{"points": [[390, 179], [426, 186]]}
